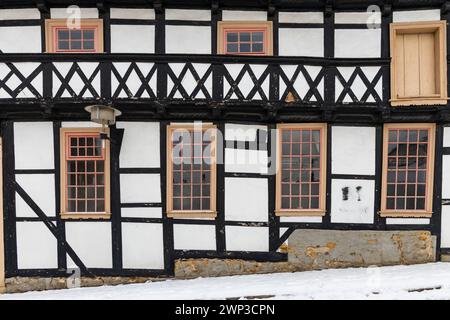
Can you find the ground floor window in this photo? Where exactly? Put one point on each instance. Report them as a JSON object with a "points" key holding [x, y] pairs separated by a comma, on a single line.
{"points": [[84, 173], [301, 169], [408, 163], [191, 170]]}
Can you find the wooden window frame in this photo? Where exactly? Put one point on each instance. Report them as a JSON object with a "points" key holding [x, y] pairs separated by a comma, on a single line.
{"points": [[427, 213], [63, 175], [212, 213], [441, 59], [240, 26], [51, 25], [323, 171]]}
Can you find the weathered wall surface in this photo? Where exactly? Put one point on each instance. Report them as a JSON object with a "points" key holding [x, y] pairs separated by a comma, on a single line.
{"points": [[319, 249]]}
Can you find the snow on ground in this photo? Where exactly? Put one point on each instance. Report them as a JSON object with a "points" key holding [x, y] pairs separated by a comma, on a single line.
{"points": [[426, 281]]}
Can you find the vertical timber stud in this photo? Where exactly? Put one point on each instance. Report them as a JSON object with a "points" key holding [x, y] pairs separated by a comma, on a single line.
{"points": [[329, 81], [386, 20], [220, 194], [379, 222], [116, 227], [216, 16], [2, 247], [272, 14], [274, 220], [329, 100], [437, 203], [105, 66], [9, 199], [47, 72], [60, 223], [167, 222], [160, 48]]}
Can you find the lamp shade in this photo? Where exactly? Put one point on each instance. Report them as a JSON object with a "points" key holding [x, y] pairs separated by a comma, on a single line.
{"points": [[104, 115]]}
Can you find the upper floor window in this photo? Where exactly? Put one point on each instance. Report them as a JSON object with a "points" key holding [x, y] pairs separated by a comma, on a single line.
{"points": [[301, 169], [245, 38], [88, 38], [418, 65], [84, 174], [191, 170], [408, 153]]}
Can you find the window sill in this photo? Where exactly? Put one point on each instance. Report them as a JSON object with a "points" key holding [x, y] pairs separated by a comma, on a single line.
{"points": [[418, 101], [192, 214], [87, 216], [290, 213], [406, 214]]}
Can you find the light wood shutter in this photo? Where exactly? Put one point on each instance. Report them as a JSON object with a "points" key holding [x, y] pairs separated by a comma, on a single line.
{"points": [[418, 63]]}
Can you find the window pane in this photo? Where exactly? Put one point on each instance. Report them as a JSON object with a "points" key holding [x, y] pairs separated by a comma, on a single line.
{"points": [[232, 37], [257, 36], [257, 47], [63, 45], [88, 45], [76, 45], [232, 47], [75, 34], [63, 34], [244, 47], [88, 34], [244, 36]]}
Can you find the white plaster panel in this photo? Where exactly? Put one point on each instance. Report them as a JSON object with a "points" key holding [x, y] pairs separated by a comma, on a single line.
{"points": [[355, 207], [301, 219], [126, 13], [407, 221], [446, 176], [300, 17], [141, 212], [36, 246], [33, 145], [416, 15], [64, 13], [353, 150], [132, 39], [247, 238], [242, 132], [246, 199], [41, 189], [188, 39], [194, 237], [76, 82], [24, 39], [301, 42], [92, 243], [80, 124], [140, 188], [188, 14], [236, 15], [142, 246], [445, 227], [140, 145], [19, 14], [446, 142], [358, 17], [25, 69], [358, 43], [246, 161]]}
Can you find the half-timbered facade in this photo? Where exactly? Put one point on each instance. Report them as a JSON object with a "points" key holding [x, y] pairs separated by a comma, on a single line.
{"points": [[329, 115]]}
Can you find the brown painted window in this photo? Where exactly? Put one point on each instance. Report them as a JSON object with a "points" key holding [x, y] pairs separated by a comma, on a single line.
{"points": [[301, 169], [408, 169], [85, 173], [419, 68], [245, 38], [191, 172], [87, 38]]}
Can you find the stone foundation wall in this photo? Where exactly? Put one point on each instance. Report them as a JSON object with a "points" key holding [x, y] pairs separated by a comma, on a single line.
{"points": [[306, 250]]}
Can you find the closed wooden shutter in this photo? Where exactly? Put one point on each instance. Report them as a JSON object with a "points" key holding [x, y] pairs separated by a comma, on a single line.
{"points": [[416, 69]]}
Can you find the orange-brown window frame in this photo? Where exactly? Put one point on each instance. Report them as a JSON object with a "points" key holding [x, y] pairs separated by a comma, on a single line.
{"points": [[440, 63], [65, 133], [171, 213], [52, 25], [241, 26], [323, 171], [427, 212]]}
